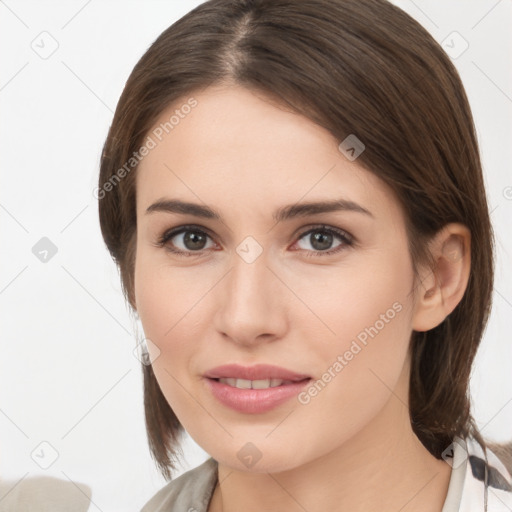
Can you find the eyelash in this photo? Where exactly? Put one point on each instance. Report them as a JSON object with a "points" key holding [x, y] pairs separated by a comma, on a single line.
{"points": [[346, 238]]}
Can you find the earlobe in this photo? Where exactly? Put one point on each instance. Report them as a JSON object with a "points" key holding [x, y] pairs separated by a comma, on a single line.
{"points": [[443, 287]]}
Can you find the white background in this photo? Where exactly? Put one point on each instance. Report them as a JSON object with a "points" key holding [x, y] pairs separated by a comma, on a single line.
{"points": [[68, 375]]}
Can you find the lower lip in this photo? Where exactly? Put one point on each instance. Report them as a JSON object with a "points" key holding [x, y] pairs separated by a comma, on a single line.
{"points": [[254, 401]]}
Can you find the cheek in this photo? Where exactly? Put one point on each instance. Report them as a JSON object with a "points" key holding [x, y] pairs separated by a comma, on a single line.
{"points": [[367, 300], [161, 300], [170, 303], [151, 299], [365, 328]]}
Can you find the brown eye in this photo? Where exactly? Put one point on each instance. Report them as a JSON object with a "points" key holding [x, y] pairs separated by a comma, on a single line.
{"points": [[183, 240], [194, 241], [320, 239], [187, 240]]}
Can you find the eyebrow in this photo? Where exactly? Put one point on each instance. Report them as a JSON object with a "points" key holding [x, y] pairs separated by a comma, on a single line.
{"points": [[282, 214]]}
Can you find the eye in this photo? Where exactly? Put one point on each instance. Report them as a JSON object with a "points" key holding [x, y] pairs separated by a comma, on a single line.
{"points": [[321, 238], [190, 238], [187, 240]]}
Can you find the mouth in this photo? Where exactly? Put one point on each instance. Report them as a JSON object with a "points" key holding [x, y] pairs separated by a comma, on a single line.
{"points": [[257, 384], [253, 396], [258, 374]]}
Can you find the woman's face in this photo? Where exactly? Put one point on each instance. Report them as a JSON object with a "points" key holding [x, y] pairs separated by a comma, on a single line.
{"points": [[248, 289]]}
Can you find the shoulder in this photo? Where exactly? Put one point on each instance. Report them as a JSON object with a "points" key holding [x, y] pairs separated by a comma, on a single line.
{"points": [[191, 491], [487, 479]]}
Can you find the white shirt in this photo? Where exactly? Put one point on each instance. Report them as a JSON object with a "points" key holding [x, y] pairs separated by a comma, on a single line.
{"points": [[467, 491]]}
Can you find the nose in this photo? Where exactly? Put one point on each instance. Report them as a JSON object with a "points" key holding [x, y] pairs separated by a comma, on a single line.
{"points": [[252, 303]]}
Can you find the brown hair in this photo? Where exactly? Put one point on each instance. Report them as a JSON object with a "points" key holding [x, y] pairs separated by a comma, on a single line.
{"points": [[360, 67]]}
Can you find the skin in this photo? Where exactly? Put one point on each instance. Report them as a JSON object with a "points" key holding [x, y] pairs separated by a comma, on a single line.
{"points": [[352, 446]]}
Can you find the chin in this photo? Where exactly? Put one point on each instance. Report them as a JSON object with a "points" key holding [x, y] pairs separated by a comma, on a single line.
{"points": [[251, 459]]}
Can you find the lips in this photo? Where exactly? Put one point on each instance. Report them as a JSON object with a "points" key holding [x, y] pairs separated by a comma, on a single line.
{"points": [[253, 389], [256, 372]]}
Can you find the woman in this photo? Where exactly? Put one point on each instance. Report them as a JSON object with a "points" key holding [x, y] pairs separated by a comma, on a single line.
{"points": [[294, 196]]}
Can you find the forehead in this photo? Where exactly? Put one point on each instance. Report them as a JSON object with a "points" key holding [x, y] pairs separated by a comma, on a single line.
{"points": [[240, 148]]}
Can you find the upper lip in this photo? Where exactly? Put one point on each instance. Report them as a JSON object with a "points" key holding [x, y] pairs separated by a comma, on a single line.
{"points": [[256, 372]]}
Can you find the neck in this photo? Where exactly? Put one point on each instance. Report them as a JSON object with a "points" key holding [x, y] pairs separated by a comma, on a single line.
{"points": [[382, 467]]}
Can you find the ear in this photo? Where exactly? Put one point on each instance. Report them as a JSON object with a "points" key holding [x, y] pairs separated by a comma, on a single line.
{"points": [[443, 287]]}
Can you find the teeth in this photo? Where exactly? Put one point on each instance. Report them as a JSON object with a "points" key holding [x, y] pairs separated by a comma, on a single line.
{"points": [[253, 384]]}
